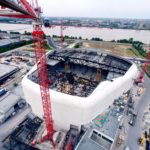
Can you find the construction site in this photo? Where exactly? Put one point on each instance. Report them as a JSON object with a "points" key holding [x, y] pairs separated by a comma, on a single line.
{"points": [[69, 98], [79, 72]]}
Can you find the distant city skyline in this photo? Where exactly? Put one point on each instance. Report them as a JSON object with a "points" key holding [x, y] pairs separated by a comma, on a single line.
{"points": [[136, 9]]}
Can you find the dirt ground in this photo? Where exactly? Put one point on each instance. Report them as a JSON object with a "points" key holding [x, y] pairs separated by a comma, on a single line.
{"points": [[113, 48]]}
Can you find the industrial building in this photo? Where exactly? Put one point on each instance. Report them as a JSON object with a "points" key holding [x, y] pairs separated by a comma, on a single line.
{"points": [[6, 71], [9, 104], [101, 133], [8, 42], [84, 83]]}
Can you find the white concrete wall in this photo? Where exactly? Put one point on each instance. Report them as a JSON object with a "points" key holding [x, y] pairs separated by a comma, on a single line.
{"points": [[67, 109]]}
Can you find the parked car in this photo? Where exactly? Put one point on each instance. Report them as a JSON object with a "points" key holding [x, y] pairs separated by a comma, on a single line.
{"points": [[133, 119]]}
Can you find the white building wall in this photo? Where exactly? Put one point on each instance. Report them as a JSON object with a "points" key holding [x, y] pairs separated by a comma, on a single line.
{"points": [[67, 109]]}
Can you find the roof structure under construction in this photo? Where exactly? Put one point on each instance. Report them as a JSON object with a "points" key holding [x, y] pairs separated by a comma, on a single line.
{"points": [[78, 73]]}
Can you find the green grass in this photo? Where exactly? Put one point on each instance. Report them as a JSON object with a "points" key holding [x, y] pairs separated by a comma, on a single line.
{"points": [[48, 48], [136, 52], [78, 45]]}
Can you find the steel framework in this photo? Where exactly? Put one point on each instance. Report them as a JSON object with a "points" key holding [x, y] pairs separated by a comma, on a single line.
{"points": [[27, 11], [41, 61], [144, 68]]}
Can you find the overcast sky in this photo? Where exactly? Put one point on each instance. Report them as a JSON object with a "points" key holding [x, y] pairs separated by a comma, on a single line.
{"points": [[97, 8]]}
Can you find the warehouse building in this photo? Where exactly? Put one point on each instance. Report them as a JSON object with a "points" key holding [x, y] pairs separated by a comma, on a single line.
{"points": [[9, 103], [6, 71]]}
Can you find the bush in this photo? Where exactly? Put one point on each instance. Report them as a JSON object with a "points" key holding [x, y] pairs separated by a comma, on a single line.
{"points": [[27, 33], [78, 45], [139, 47]]}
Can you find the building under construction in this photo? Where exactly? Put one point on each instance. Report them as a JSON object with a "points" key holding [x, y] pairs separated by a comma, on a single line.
{"points": [[83, 83]]}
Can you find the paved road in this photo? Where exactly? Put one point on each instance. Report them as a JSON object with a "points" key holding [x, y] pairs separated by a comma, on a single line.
{"points": [[73, 44], [135, 132]]}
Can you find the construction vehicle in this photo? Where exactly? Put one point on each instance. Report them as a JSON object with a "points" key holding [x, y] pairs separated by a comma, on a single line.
{"points": [[141, 140]]}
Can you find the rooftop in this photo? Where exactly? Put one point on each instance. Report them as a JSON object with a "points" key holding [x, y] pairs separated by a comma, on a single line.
{"points": [[101, 132], [89, 142], [7, 101], [5, 42], [6, 71]]}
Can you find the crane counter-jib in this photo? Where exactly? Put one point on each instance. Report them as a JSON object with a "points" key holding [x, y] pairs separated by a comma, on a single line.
{"points": [[25, 9]]}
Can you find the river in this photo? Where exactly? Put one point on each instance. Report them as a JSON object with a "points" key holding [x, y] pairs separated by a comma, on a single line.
{"points": [[104, 33]]}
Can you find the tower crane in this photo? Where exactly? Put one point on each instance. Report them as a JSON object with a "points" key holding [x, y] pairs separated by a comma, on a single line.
{"points": [[24, 10]]}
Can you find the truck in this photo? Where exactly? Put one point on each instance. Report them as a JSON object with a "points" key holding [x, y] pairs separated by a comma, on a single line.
{"points": [[2, 92]]}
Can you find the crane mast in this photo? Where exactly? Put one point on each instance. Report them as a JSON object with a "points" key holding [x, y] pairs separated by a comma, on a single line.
{"points": [[27, 11], [43, 81], [144, 68]]}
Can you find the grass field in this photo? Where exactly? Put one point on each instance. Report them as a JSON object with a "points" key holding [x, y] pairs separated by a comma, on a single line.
{"points": [[31, 48], [125, 50]]}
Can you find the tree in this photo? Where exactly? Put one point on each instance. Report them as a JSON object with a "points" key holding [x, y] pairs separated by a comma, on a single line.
{"points": [[131, 40], [96, 39], [27, 33], [80, 38], [113, 41]]}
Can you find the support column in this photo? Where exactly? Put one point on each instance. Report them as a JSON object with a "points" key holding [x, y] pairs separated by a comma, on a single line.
{"points": [[98, 75], [67, 67]]}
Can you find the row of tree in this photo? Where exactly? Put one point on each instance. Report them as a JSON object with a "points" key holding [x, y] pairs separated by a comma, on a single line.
{"points": [[139, 47], [68, 37], [96, 39], [11, 32], [14, 45]]}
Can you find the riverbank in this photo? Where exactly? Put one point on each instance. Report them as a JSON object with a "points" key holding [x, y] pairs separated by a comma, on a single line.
{"points": [[103, 33]]}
